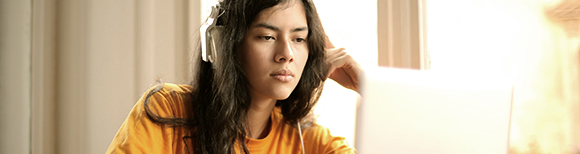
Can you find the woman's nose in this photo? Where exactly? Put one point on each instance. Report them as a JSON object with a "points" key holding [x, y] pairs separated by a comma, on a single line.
{"points": [[285, 52]]}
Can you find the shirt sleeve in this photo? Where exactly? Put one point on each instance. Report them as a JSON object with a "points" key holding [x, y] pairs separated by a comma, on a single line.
{"points": [[321, 141], [139, 134]]}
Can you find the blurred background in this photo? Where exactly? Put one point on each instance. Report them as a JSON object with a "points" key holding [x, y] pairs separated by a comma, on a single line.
{"points": [[71, 70]]}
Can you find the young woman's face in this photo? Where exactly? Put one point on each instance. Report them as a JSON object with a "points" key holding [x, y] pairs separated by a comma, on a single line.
{"points": [[274, 50]]}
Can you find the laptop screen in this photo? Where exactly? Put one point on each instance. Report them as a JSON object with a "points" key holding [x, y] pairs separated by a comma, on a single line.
{"points": [[411, 111]]}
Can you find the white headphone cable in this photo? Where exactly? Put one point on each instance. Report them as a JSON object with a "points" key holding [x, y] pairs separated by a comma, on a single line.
{"points": [[301, 140]]}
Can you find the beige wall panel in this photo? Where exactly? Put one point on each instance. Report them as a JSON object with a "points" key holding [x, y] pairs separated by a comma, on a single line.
{"points": [[401, 34], [15, 50], [109, 53], [43, 77], [110, 70], [71, 76]]}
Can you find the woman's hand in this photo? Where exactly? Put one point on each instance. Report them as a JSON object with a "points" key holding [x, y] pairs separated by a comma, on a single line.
{"points": [[343, 69]]}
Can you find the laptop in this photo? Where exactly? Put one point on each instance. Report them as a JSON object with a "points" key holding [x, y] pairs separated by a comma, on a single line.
{"points": [[419, 112]]}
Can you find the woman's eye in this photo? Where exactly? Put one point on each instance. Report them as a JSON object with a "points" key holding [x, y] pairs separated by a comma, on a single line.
{"points": [[267, 38], [300, 40]]}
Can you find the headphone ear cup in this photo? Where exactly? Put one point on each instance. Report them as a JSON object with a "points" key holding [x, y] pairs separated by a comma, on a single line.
{"points": [[210, 34], [215, 44]]}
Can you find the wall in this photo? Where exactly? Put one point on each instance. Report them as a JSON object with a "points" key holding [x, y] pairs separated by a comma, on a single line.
{"points": [[43, 81], [109, 53], [15, 74], [92, 60]]}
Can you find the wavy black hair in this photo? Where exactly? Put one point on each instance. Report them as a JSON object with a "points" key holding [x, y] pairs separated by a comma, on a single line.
{"points": [[220, 97]]}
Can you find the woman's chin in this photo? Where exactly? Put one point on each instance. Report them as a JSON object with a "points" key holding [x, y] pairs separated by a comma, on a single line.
{"points": [[281, 93], [282, 97]]}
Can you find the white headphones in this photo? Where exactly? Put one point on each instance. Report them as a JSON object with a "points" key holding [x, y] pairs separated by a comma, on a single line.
{"points": [[301, 140], [210, 34]]}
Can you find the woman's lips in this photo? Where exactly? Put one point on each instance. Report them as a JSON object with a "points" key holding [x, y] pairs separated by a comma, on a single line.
{"points": [[283, 78], [283, 75]]}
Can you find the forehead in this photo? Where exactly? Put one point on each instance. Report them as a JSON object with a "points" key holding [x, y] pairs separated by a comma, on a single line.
{"points": [[289, 13]]}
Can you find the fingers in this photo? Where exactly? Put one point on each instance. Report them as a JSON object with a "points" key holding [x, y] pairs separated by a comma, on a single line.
{"points": [[342, 68], [335, 53], [336, 58], [340, 62]]}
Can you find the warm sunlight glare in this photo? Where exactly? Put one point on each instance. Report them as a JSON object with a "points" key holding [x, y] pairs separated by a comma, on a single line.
{"points": [[518, 38]]}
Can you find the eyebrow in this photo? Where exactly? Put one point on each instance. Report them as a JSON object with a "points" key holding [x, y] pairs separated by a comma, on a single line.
{"points": [[274, 28]]}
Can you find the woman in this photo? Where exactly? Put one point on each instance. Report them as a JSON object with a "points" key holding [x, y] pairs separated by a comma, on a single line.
{"points": [[255, 97]]}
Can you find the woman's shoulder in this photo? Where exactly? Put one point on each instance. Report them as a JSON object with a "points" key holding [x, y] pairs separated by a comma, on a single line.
{"points": [[168, 88], [168, 100], [142, 132]]}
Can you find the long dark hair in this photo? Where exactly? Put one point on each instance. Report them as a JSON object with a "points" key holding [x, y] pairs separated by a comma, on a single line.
{"points": [[220, 97]]}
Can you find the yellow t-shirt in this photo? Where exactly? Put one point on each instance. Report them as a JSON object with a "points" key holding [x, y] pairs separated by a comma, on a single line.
{"points": [[139, 134]]}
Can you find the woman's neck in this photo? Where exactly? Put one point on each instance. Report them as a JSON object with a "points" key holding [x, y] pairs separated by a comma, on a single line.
{"points": [[259, 117]]}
